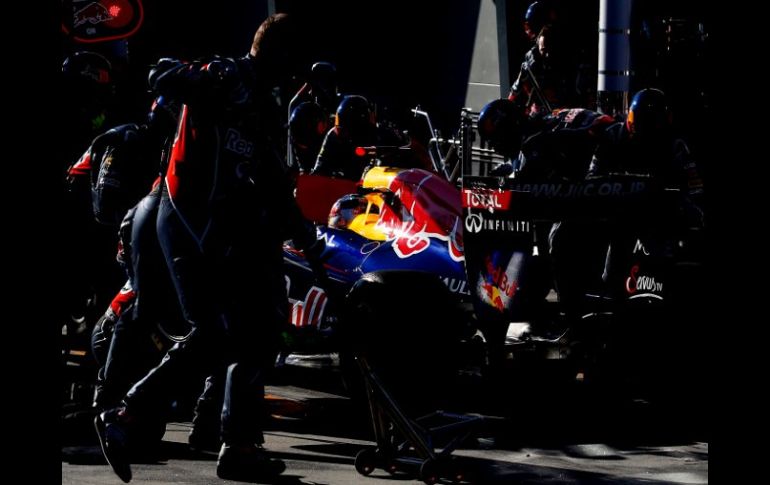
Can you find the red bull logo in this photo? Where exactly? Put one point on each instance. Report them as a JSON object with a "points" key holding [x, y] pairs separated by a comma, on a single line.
{"points": [[497, 285], [94, 13], [102, 20], [429, 209]]}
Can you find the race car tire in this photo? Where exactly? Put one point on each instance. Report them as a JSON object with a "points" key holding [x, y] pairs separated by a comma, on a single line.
{"points": [[405, 325]]}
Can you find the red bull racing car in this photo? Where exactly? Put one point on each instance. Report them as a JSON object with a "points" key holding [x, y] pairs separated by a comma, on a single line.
{"points": [[395, 225]]}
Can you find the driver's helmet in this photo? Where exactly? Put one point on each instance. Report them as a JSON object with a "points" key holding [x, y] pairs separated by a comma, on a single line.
{"points": [[648, 116], [355, 118], [500, 125], [164, 114], [346, 209], [308, 125]]}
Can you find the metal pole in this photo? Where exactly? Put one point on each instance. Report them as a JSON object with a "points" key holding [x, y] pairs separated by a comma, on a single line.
{"points": [[503, 50], [614, 64]]}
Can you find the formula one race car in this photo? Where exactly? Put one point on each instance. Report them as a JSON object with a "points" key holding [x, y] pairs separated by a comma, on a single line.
{"points": [[480, 243], [397, 230]]}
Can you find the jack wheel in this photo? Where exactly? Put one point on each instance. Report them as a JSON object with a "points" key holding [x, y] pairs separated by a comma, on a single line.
{"points": [[366, 461], [429, 471]]}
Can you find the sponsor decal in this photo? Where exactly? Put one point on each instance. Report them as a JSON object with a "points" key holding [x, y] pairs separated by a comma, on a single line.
{"points": [[486, 199], [585, 189], [410, 238], [476, 223], [429, 212], [309, 312], [640, 285], [101, 20], [498, 284], [235, 143], [104, 177], [638, 246], [411, 241], [94, 13], [328, 238], [457, 286]]}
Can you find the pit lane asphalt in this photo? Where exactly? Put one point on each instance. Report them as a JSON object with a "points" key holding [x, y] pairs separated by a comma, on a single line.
{"points": [[557, 437]]}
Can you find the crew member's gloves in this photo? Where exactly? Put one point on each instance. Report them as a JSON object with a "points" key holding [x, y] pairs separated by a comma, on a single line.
{"points": [[164, 65], [503, 170]]}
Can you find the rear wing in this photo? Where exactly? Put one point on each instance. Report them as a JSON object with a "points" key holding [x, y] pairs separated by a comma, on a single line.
{"points": [[504, 220], [599, 198]]}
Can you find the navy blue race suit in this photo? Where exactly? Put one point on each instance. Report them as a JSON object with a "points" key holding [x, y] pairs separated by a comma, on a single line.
{"points": [[121, 165], [225, 209], [561, 144], [571, 253], [298, 158], [544, 85], [124, 164], [107, 180], [134, 345], [95, 270], [666, 160], [561, 152]]}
